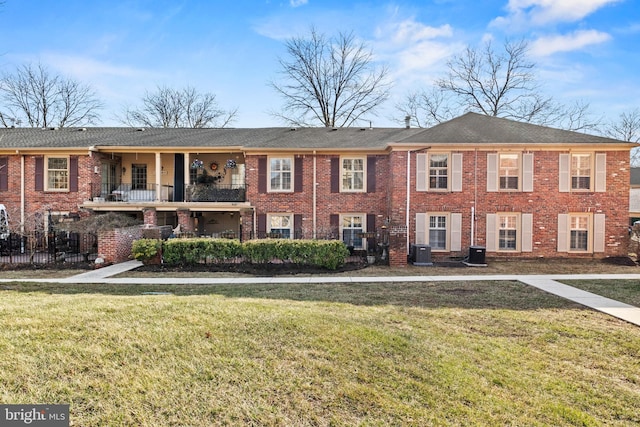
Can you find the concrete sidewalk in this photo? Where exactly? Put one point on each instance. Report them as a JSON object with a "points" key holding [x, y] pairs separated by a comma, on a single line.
{"points": [[547, 283]]}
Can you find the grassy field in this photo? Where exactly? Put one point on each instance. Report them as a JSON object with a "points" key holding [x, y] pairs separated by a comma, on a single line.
{"points": [[473, 353]]}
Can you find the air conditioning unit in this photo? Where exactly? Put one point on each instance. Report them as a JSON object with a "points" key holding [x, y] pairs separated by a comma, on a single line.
{"points": [[420, 255]]}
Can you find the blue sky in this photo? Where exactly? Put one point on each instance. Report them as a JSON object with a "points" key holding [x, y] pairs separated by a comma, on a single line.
{"points": [[585, 50]]}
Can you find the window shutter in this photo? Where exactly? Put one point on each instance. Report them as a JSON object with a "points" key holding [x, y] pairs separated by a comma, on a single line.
{"points": [[262, 226], [601, 172], [335, 174], [262, 176], [297, 226], [526, 229], [422, 235], [73, 173], [39, 174], [456, 232], [492, 171], [598, 232], [456, 172], [334, 222], [297, 174], [563, 174], [371, 223], [4, 173], [527, 172], [421, 171], [491, 232], [371, 174], [563, 233]]}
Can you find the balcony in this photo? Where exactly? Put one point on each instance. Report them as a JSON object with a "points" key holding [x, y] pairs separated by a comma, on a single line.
{"points": [[126, 193], [215, 193]]}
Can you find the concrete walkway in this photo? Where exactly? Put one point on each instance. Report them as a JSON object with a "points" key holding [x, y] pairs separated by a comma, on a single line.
{"points": [[547, 283]]}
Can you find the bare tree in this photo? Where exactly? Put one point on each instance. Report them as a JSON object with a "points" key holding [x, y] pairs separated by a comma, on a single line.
{"points": [[179, 108], [329, 81], [627, 128], [495, 83], [35, 96]]}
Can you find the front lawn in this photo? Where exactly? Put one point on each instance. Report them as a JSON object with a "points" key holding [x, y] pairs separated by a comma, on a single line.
{"points": [[473, 353]]}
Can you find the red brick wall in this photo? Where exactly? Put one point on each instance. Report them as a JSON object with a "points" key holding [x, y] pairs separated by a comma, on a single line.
{"points": [[114, 246], [545, 202]]}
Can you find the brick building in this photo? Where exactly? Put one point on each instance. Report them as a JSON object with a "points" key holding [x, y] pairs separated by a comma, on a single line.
{"points": [[517, 189]]}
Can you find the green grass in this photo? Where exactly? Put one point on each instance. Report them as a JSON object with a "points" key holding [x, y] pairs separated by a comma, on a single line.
{"points": [[481, 353], [627, 291]]}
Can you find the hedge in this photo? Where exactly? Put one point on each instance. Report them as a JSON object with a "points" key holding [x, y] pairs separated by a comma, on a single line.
{"points": [[329, 254]]}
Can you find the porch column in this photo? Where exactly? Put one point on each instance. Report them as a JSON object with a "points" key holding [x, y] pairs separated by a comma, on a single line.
{"points": [[150, 216], [184, 220], [187, 169], [158, 176]]}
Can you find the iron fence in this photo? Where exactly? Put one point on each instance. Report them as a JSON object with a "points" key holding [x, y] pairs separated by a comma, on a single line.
{"points": [[40, 247]]}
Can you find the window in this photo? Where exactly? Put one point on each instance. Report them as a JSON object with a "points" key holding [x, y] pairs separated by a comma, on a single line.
{"points": [[579, 233], [508, 171], [280, 175], [353, 176], [58, 173], [438, 232], [507, 232], [280, 226], [351, 229], [580, 171], [138, 177], [438, 171]]}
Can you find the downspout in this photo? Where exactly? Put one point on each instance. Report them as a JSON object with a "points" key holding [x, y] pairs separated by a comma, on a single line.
{"points": [[22, 195], [475, 199], [408, 195], [315, 194]]}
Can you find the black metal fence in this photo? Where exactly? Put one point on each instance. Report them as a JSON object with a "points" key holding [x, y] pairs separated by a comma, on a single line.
{"points": [[40, 247]]}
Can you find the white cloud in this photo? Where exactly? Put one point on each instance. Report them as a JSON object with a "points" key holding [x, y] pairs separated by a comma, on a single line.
{"points": [[545, 46], [523, 13], [414, 51], [296, 3]]}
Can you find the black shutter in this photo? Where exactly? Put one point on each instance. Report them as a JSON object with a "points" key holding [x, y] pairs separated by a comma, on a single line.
{"points": [[371, 223], [39, 174], [334, 222], [262, 225], [297, 226], [297, 174], [262, 176], [73, 173], [178, 177], [335, 174], [4, 173], [371, 174]]}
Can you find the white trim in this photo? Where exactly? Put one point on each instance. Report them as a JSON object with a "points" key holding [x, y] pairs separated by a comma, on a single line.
{"points": [[291, 171], [45, 174], [364, 174]]}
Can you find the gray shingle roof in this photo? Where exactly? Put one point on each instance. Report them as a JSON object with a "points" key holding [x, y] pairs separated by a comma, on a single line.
{"points": [[476, 128], [470, 128], [300, 138]]}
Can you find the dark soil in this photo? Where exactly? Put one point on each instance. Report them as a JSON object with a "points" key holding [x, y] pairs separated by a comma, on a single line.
{"points": [[619, 260], [47, 266], [259, 270]]}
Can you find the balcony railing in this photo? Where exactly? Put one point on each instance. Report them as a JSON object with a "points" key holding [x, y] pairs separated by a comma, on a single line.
{"points": [[192, 193], [215, 193]]}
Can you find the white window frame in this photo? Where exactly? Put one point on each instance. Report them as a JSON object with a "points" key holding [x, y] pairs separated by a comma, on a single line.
{"points": [[48, 171], [282, 172], [596, 232], [590, 161], [453, 230], [515, 226], [274, 216], [523, 227], [349, 174], [447, 230], [588, 228], [363, 228], [504, 172], [437, 176]]}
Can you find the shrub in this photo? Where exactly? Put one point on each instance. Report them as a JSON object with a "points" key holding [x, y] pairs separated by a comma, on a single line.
{"points": [[200, 250], [329, 254], [146, 250]]}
